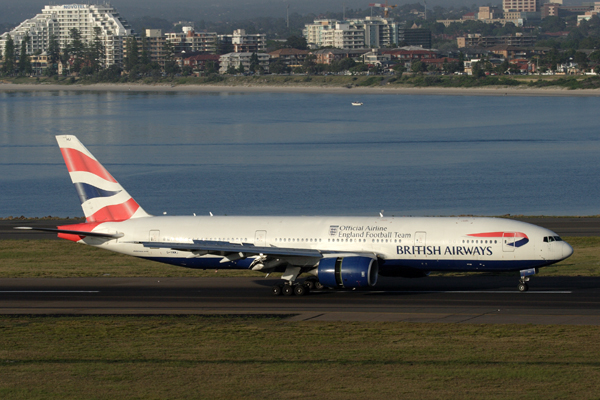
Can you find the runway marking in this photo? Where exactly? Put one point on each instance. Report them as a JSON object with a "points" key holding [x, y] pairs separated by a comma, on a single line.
{"points": [[474, 291], [49, 291]]}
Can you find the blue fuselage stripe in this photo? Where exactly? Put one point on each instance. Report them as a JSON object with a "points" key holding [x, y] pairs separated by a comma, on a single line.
{"points": [[422, 265]]}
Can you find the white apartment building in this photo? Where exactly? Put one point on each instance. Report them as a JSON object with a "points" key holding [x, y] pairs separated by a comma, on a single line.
{"points": [[237, 59], [189, 40], [521, 5], [243, 42], [58, 20], [370, 32]]}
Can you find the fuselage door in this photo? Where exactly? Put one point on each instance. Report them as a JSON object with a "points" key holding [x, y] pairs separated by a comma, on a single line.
{"points": [[260, 238], [154, 236], [508, 241], [420, 243], [420, 238]]}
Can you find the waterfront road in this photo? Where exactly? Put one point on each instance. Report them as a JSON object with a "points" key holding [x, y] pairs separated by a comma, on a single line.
{"points": [[564, 226], [471, 299]]}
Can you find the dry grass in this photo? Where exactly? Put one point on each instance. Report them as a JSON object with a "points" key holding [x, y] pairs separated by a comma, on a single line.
{"points": [[59, 259], [200, 357]]}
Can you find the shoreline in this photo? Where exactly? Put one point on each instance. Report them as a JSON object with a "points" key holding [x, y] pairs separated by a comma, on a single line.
{"points": [[312, 89]]}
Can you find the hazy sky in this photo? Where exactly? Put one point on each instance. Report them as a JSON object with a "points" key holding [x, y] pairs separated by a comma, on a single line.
{"points": [[17, 11]]}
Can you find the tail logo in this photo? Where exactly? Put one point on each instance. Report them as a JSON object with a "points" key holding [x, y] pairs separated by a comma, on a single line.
{"points": [[102, 197]]}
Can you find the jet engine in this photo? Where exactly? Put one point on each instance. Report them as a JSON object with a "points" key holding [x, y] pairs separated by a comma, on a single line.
{"points": [[348, 272]]}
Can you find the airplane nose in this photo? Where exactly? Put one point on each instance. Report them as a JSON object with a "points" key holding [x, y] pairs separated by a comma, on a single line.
{"points": [[567, 250]]}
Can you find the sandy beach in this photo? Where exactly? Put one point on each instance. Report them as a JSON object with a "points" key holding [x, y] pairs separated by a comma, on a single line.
{"points": [[353, 91]]}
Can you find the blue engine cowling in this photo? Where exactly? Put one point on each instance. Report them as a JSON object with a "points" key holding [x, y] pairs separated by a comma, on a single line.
{"points": [[348, 272]]}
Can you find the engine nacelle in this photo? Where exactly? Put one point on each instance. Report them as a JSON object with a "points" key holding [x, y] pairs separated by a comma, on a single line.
{"points": [[348, 272]]}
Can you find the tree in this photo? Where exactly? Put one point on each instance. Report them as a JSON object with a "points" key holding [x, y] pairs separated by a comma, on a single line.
{"points": [[210, 68], [254, 62], [187, 70], [145, 56], [418, 66], [345, 64], [359, 67], [581, 59], [171, 67], [9, 57], [75, 49], [432, 68], [477, 69], [553, 24], [595, 57], [503, 67], [296, 42], [278, 67], [96, 53], [231, 70], [53, 55], [132, 58], [24, 60], [309, 64]]}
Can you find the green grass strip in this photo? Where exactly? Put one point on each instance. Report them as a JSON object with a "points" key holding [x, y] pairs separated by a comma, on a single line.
{"points": [[232, 358]]}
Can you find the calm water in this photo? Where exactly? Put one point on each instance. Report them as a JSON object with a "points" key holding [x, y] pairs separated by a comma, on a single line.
{"points": [[307, 154]]}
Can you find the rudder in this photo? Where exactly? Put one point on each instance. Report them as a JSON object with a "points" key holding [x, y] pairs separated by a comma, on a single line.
{"points": [[102, 197]]}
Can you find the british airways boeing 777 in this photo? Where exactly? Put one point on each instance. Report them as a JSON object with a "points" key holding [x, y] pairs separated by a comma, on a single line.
{"points": [[335, 252]]}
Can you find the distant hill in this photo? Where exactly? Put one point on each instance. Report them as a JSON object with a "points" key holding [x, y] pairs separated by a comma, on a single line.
{"points": [[208, 10]]}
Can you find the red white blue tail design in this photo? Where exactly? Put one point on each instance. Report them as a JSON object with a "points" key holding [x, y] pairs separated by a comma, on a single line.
{"points": [[102, 197]]}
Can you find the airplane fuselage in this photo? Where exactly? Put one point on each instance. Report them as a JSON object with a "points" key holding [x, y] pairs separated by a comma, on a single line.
{"points": [[427, 244]]}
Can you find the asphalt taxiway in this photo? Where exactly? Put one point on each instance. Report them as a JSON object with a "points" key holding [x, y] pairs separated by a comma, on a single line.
{"points": [[480, 299]]}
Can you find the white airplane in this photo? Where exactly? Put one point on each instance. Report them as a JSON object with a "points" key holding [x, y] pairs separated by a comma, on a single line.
{"points": [[335, 252]]}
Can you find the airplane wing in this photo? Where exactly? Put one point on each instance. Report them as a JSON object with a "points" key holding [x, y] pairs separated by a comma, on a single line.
{"points": [[217, 247]]}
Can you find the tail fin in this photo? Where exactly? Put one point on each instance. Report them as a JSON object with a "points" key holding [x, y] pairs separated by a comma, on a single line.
{"points": [[102, 197]]}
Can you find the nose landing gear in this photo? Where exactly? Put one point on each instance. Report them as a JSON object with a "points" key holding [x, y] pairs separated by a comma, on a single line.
{"points": [[525, 274]]}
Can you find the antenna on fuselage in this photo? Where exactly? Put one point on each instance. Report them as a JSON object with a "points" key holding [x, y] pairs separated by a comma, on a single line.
{"points": [[381, 213], [210, 213]]}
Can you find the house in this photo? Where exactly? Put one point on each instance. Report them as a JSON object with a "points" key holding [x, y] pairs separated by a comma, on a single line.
{"points": [[199, 62], [289, 57]]}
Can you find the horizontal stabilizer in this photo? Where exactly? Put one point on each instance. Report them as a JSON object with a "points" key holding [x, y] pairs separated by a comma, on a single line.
{"points": [[71, 232]]}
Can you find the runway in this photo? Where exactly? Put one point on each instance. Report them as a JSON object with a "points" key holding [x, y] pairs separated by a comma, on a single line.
{"points": [[472, 299], [478, 300]]}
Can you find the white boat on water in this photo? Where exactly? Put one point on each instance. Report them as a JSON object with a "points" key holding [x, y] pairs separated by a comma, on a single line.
{"points": [[357, 103]]}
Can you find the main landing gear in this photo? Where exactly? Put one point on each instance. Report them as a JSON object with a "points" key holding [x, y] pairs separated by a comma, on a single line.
{"points": [[525, 274], [297, 288]]}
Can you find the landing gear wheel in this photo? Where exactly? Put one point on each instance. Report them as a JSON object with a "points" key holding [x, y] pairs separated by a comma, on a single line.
{"points": [[276, 290], [300, 290], [523, 287], [309, 283], [287, 290], [319, 286]]}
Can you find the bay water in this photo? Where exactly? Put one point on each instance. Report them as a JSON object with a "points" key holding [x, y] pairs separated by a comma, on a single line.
{"points": [[306, 153]]}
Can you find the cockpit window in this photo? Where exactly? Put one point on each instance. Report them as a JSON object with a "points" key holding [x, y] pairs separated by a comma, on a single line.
{"points": [[548, 239]]}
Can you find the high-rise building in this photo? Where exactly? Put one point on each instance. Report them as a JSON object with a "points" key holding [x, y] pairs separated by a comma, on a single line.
{"points": [[369, 32], [242, 42], [59, 20], [521, 5], [415, 37], [189, 40]]}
